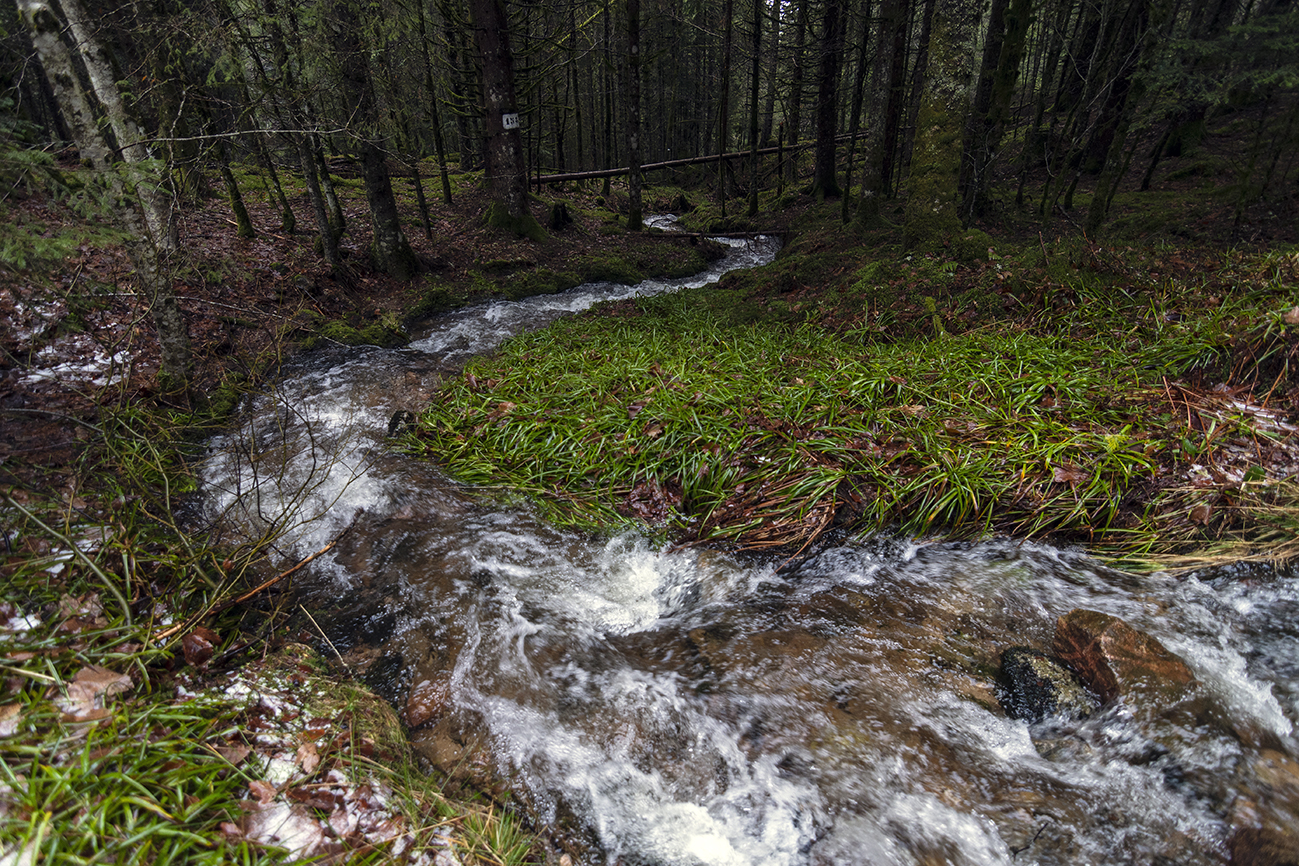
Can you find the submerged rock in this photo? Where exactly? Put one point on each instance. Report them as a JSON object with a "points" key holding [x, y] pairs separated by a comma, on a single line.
{"points": [[1265, 831], [402, 421], [1031, 686], [1115, 660]]}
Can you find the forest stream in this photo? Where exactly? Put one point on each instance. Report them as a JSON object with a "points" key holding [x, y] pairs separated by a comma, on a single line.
{"points": [[691, 706]]}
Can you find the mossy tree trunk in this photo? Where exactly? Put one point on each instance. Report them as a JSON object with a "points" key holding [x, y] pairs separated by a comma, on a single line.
{"points": [[137, 196], [931, 212], [633, 116], [824, 181], [243, 223], [507, 178]]}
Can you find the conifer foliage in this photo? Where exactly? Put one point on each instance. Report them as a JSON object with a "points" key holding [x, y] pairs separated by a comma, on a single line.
{"points": [[940, 114]]}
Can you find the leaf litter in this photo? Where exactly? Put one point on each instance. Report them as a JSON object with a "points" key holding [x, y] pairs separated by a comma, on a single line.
{"points": [[320, 756]]}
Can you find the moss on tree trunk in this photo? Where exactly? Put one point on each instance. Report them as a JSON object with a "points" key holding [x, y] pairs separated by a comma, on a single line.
{"points": [[931, 216]]}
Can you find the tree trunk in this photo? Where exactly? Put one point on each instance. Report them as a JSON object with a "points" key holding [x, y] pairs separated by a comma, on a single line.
{"points": [[858, 96], [931, 212], [435, 116], [243, 224], [916, 91], [873, 170], [773, 62], [895, 110], [633, 116], [389, 249], [824, 181], [724, 105], [793, 131], [507, 178], [138, 204], [1003, 49], [753, 107]]}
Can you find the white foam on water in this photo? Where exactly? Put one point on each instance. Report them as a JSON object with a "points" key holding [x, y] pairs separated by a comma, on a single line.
{"points": [[745, 814]]}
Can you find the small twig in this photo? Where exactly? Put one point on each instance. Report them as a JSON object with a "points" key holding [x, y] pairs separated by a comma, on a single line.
{"points": [[327, 640], [163, 635], [274, 580], [58, 415]]}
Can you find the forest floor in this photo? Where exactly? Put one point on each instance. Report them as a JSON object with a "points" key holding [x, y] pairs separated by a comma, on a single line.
{"points": [[87, 440]]}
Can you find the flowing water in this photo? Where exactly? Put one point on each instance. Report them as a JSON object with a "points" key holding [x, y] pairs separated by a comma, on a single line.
{"points": [[697, 707]]}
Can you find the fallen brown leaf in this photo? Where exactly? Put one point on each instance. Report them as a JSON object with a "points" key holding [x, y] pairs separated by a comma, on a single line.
{"points": [[84, 700], [199, 645], [308, 758], [1070, 475], [263, 791]]}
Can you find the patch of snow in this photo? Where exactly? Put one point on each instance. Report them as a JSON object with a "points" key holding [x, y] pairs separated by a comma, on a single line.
{"points": [[22, 623], [78, 359]]}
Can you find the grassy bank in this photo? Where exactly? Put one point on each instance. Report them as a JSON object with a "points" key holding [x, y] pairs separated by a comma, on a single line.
{"points": [[156, 710], [745, 415]]}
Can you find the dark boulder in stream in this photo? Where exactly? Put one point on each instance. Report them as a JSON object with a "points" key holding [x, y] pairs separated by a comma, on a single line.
{"points": [[1032, 686]]}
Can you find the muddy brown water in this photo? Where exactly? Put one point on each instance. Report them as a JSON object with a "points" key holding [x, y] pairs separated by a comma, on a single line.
{"points": [[696, 707]]}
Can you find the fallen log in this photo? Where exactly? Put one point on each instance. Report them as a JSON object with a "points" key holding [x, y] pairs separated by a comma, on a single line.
{"points": [[596, 174]]}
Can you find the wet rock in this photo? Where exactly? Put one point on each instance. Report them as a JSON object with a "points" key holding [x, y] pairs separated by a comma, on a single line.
{"points": [[1115, 660], [1262, 835], [1265, 828], [428, 699], [402, 421], [1031, 686], [1280, 774]]}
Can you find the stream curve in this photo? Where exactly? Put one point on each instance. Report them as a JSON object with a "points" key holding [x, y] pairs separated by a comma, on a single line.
{"points": [[698, 707]]}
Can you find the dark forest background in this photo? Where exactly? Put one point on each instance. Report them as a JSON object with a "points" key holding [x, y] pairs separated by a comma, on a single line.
{"points": [[964, 109]]}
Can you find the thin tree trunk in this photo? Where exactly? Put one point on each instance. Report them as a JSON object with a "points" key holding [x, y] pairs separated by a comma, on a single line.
{"points": [[753, 108], [243, 223], [773, 63], [136, 199], [633, 116], [793, 131], [439, 144], [854, 120], [724, 108], [873, 180], [1003, 50]]}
